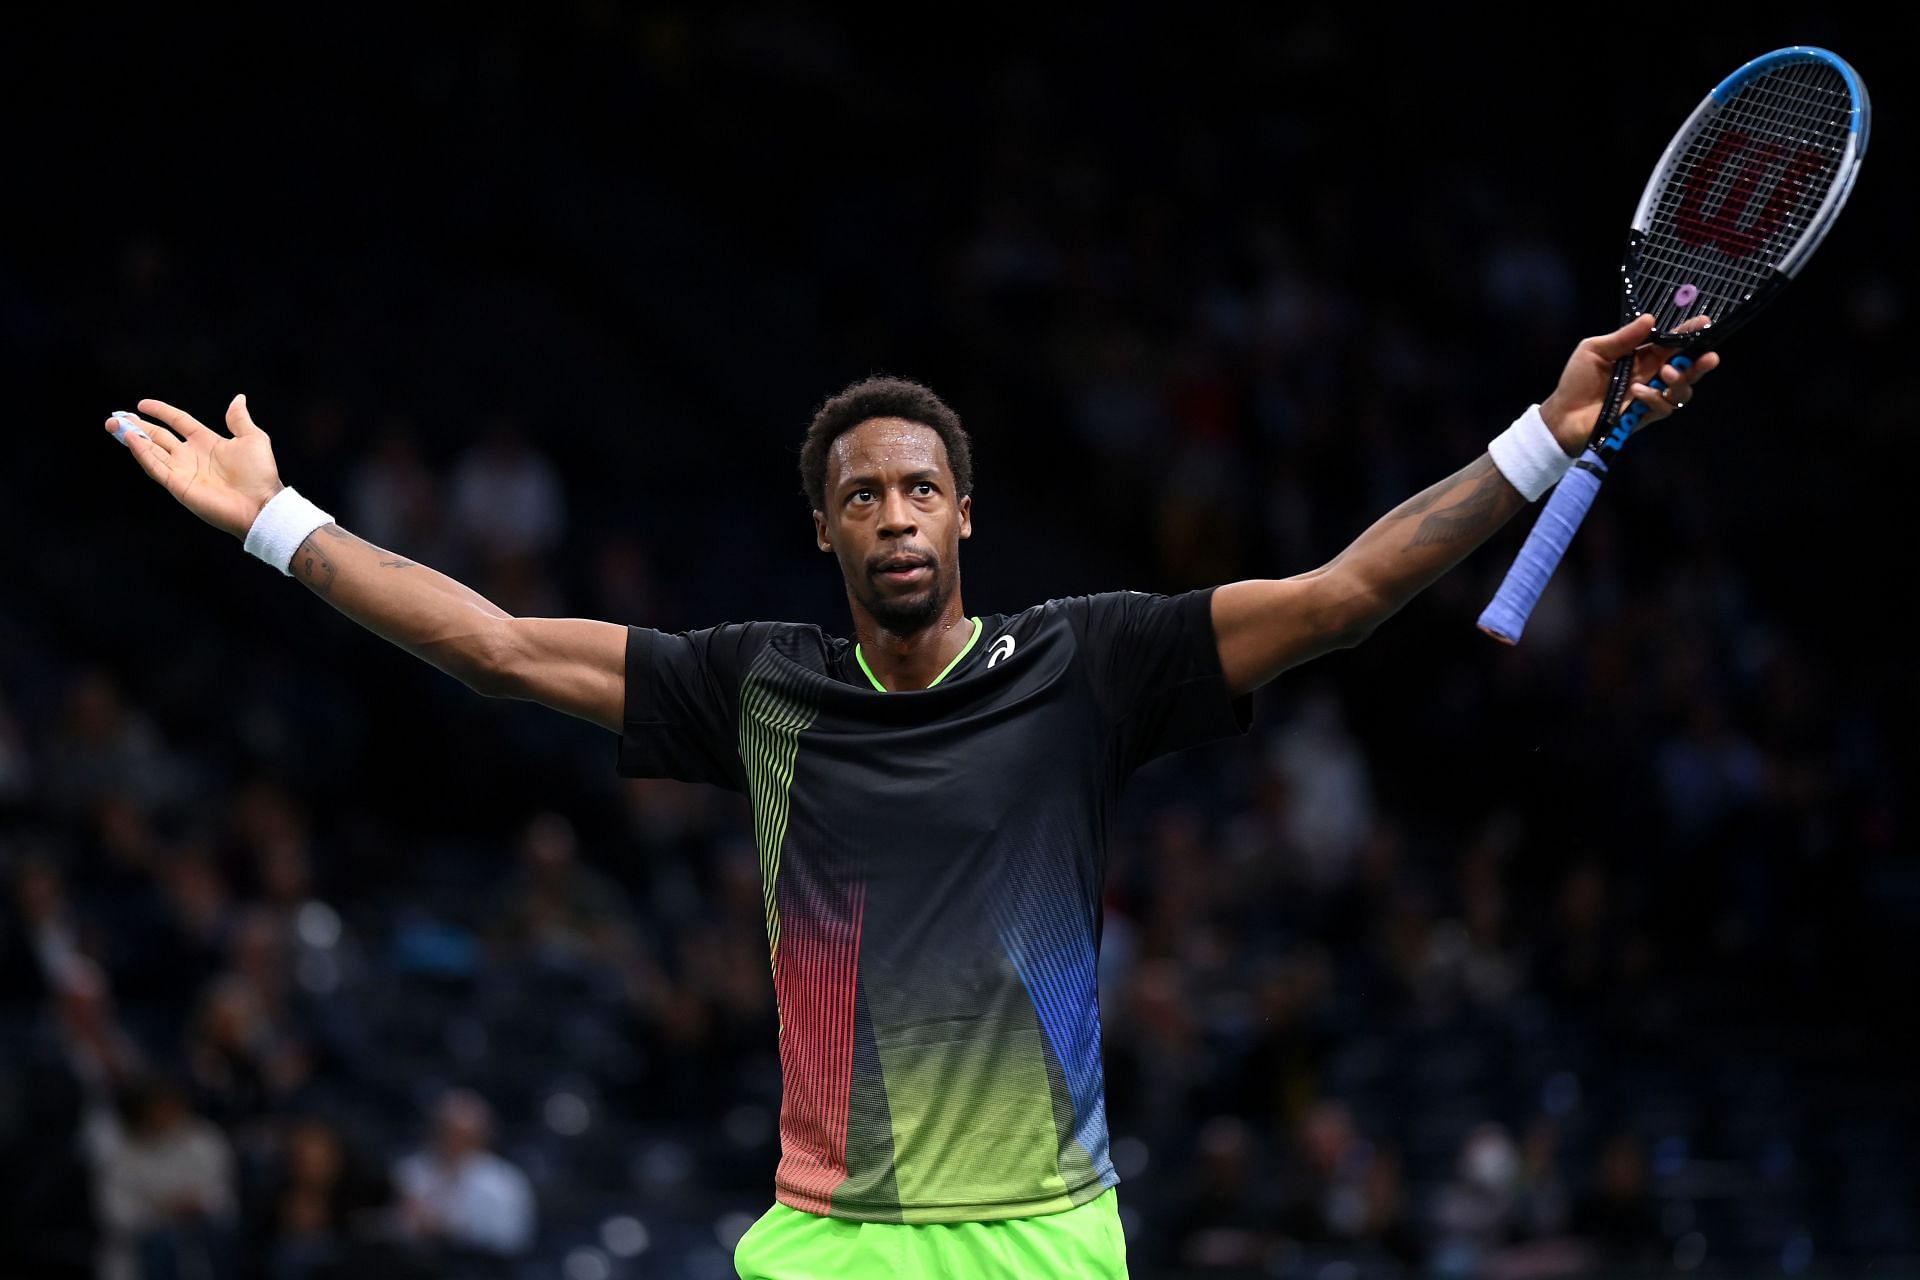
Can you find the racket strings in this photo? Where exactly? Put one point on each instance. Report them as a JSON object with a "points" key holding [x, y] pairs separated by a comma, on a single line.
{"points": [[1744, 191]]}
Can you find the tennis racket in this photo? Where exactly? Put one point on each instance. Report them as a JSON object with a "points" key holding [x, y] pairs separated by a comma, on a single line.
{"points": [[1739, 201]]}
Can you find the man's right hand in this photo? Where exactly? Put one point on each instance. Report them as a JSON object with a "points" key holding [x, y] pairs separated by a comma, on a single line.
{"points": [[225, 481], [575, 665]]}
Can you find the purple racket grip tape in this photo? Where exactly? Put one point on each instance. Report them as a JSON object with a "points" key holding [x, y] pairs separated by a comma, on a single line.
{"points": [[1552, 534]]}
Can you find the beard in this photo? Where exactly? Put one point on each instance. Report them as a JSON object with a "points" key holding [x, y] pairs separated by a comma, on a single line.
{"points": [[906, 615]]}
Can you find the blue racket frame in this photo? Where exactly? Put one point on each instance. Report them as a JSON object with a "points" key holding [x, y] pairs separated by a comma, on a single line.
{"points": [[1505, 618]]}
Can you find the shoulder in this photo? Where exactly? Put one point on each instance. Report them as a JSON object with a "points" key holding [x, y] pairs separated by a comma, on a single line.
{"points": [[500, 1171], [1107, 609], [207, 1137], [761, 631], [735, 644]]}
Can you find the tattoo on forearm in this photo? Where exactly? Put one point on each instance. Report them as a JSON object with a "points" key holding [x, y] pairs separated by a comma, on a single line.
{"points": [[313, 566], [1424, 501], [1487, 505]]}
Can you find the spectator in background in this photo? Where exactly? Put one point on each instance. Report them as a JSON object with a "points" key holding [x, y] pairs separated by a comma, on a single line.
{"points": [[46, 924], [1578, 962], [556, 913], [507, 498], [1224, 1218], [1475, 1213], [1708, 771], [192, 911], [510, 509], [1341, 1188], [625, 586], [1329, 793], [394, 498], [164, 1180], [1617, 1216], [319, 1210], [98, 1052], [323, 966], [104, 747], [456, 1195], [242, 1064], [520, 583]]}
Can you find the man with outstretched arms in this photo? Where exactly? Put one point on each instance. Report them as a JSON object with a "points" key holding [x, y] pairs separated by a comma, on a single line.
{"points": [[930, 797]]}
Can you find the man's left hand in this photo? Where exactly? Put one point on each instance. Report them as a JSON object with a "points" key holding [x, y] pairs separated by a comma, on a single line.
{"points": [[1574, 407]]}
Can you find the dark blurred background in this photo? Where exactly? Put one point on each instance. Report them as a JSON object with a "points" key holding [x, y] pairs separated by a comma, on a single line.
{"points": [[1592, 956]]}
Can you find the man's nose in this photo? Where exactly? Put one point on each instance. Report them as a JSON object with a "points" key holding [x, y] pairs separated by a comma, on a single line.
{"points": [[896, 515]]}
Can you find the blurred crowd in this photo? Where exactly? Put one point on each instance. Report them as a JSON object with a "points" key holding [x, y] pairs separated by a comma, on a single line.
{"points": [[1470, 962]]}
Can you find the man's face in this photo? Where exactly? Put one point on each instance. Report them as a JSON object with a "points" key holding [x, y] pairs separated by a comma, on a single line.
{"points": [[894, 521]]}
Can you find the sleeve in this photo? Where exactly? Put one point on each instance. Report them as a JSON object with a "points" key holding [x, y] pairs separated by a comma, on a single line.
{"points": [[496, 1213], [1154, 663], [214, 1173], [682, 700]]}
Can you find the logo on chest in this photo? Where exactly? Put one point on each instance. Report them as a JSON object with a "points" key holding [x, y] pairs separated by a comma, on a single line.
{"points": [[1002, 648]]}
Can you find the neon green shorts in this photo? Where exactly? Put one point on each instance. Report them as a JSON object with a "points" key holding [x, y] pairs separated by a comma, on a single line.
{"points": [[1083, 1242]]}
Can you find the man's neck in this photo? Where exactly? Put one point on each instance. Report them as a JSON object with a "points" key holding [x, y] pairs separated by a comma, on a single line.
{"points": [[898, 661]]}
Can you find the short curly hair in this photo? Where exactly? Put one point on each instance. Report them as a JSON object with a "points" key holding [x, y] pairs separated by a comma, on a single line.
{"points": [[882, 397]]}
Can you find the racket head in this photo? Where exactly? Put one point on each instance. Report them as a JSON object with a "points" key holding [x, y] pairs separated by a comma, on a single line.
{"points": [[1745, 192]]}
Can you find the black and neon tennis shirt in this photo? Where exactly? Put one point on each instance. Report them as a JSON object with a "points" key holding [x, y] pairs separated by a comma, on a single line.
{"points": [[932, 863]]}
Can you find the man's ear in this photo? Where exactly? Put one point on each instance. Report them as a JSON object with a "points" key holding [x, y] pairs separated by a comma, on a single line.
{"points": [[820, 532], [966, 516]]}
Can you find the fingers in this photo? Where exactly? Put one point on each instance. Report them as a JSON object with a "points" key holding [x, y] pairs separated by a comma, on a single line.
{"points": [[179, 419], [1656, 403], [1655, 361], [131, 426], [122, 423], [1623, 341], [151, 457], [1691, 325], [1633, 335], [239, 421], [1661, 402]]}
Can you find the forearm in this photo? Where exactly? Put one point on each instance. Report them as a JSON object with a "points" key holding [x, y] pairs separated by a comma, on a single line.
{"points": [[1265, 626], [424, 612], [1409, 548]]}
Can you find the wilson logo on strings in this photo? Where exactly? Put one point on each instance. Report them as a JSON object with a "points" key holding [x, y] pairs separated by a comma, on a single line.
{"points": [[1753, 161]]}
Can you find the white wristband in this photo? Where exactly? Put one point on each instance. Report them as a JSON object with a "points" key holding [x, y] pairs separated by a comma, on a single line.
{"points": [[1528, 455], [282, 525]]}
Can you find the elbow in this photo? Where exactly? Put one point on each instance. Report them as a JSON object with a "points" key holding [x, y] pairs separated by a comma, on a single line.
{"points": [[1351, 636], [487, 684], [492, 671], [1348, 635], [1359, 620]]}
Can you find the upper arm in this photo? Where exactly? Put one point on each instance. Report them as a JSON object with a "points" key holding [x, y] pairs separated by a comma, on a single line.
{"points": [[575, 665], [682, 710], [1265, 625], [1154, 669]]}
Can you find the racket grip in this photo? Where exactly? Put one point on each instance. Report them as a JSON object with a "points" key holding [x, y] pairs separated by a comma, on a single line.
{"points": [[1506, 617]]}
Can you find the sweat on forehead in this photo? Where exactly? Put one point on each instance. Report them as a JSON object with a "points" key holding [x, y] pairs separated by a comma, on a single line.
{"points": [[889, 442]]}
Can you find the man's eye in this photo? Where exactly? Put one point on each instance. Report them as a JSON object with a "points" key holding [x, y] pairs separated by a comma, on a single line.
{"points": [[862, 495], [925, 486]]}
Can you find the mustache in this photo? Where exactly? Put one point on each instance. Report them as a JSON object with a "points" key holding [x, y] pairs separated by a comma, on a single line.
{"points": [[903, 560]]}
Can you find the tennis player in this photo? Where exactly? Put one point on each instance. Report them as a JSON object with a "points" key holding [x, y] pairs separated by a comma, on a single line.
{"points": [[930, 798]]}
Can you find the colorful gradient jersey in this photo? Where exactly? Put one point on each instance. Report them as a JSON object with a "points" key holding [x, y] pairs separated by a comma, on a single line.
{"points": [[932, 863]]}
